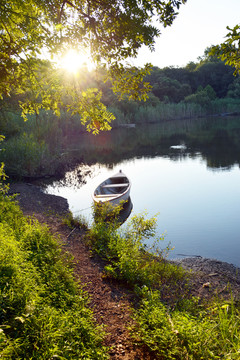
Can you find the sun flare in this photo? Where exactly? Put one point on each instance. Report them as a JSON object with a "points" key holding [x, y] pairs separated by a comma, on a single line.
{"points": [[73, 61]]}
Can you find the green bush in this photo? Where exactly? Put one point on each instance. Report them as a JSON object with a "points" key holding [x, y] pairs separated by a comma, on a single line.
{"points": [[23, 155], [19, 283], [129, 257]]}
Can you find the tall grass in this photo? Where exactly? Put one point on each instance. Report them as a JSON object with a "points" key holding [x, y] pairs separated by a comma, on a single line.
{"points": [[169, 334], [168, 112], [43, 311], [38, 146], [24, 155], [172, 111], [188, 331], [11, 123]]}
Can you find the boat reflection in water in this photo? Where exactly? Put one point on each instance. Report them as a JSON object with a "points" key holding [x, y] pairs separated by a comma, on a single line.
{"points": [[126, 211], [108, 213]]}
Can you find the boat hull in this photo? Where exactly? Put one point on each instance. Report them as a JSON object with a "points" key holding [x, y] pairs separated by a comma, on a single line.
{"points": [[113, 190]]}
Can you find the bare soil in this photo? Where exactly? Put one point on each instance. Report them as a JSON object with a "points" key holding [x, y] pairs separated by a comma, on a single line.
{"points": [[110, 300]]}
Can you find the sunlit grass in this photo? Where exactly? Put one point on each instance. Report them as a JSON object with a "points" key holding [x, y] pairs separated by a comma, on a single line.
{"points": [[171, 322], [44, 312]]}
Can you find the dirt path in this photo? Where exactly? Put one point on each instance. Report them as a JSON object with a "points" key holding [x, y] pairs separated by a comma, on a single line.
{"points": [[111, 302]]}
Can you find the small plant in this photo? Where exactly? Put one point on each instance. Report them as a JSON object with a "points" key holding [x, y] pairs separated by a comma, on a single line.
{"points": [[191, 332], [130, 259], [75, 222]]}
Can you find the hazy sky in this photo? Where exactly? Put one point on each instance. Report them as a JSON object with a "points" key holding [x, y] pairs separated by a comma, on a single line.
{"points": [[199, 24]]}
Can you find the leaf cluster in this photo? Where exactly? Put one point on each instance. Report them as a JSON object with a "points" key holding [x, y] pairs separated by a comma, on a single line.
{"points": [[110, 31], [229, 50]]}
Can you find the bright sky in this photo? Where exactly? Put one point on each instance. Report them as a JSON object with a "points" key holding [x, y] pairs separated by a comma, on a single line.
{"points": [[199, 24]]}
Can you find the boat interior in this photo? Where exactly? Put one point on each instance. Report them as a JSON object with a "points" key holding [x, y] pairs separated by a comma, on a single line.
{"points": [[112, 186]]}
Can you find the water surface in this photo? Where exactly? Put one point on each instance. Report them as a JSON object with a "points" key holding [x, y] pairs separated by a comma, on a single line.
{"points": [[185, 171]]}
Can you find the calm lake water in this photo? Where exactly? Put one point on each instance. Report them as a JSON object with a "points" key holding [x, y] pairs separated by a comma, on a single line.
{"points": [[185, 171]]}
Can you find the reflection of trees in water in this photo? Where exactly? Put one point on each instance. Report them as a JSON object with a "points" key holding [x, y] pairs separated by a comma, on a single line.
{"points": [[77, 177], [80, 175], [217, 140], [219, 147]]}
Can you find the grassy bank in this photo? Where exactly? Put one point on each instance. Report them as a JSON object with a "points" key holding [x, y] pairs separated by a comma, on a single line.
{"points": [[169, 320], [44, 312]]}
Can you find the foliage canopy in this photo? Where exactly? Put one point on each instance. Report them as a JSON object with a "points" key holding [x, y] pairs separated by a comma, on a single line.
{"points": [[229, 51], [111, 31]]}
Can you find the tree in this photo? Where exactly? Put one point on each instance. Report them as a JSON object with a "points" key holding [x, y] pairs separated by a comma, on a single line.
{"points": [[112, 31], [216, 74], [234, 89], [229, 51], [203, 96]]}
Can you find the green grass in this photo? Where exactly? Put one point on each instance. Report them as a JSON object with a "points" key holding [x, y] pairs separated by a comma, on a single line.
{"points": [[124, 248], [44, 312], [168, 320], [159, 112], [188, 331]]}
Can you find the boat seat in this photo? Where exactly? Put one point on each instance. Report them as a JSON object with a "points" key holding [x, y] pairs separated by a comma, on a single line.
{"points": [[115, 185], [106, 195]]}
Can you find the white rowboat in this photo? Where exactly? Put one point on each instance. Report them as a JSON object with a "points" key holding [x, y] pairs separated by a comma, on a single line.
{"points": [[114, 189]]}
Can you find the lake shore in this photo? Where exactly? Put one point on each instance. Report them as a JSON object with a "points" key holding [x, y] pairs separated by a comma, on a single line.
{"points": [[210, 276], [112, 301]]}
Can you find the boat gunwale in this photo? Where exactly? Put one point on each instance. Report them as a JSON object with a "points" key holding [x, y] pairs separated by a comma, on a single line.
{"points": [[112, 197]]}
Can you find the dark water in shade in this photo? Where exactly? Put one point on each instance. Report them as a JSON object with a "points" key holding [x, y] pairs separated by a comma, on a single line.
{"points": [[185, 171]]}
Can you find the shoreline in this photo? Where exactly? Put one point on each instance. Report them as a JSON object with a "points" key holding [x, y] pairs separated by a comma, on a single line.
{"points": [[202, 262], [210, 276]]}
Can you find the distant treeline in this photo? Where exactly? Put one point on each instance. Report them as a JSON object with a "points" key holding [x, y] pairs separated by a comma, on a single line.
{"points": [[199, 89], [204, 88]]}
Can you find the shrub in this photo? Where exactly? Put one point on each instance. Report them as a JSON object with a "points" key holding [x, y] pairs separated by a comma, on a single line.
{"points": [[23, 155], [130, 259]]}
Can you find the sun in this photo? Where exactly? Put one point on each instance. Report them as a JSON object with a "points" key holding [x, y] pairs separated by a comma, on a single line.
{"points": [[73, 61]]}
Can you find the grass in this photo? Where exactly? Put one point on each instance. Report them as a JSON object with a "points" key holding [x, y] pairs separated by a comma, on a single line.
{"points": [[124, 248], [168, 320], [188, 331], [44, 312], [159, 112]]}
